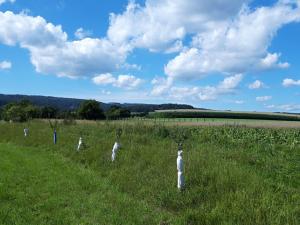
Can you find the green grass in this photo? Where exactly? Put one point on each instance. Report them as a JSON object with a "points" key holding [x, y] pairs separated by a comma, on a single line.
{"points": [[234, 175], [39, 187]]}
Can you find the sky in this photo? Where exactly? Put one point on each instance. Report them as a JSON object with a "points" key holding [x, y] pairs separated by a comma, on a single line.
{"points": [[229, 55]]}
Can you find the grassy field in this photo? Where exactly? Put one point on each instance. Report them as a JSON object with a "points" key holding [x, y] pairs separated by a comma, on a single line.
{"points": [[254, 123], [40, 187], [234, 175]]}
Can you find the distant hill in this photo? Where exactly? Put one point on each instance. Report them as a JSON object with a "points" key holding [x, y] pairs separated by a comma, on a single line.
{"points": [[73, 104]]}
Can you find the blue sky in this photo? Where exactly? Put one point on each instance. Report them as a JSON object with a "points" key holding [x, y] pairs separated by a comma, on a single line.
{"points": [[238, 55]]}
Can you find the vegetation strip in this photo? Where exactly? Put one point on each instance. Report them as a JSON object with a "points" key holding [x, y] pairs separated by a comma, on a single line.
{"points": [[223, 114]]}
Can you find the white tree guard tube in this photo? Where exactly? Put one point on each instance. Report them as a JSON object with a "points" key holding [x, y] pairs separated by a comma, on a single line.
{"points": [[26, 131], [115, 150], [180, 180], [79, 144]]}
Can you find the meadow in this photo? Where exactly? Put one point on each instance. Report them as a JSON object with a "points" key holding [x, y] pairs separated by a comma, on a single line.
{"points": [[234, 175]]}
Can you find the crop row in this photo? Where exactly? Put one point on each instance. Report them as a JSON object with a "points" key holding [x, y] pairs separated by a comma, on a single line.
{"points": [[220, 114]]}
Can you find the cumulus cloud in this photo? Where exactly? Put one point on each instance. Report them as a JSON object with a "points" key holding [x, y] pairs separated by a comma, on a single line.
{"points": [[272, 61], [81, 58], [228, 37], [236, 46], [256, 85], [187, 65], [263, 98], [161, 86], [207, 93], [28, 31], [4, 1], [52, 53], [128, 82], [227, 86], [290, 82], [80, 33], [4, 65], [104, 79], [161, 25]]}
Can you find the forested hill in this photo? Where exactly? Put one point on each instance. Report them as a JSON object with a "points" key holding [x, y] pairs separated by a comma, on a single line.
{"points": [[73, 104]]}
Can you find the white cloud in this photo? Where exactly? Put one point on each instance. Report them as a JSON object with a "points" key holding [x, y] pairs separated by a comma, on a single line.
{"points": [[290, 82], [161, 25], [161, 86], [271, 61], [239, 102], [104, 79], [80, 33], [263, 98], [231, 82], [29, 31], [289, 107], [227, 86], [236, 46], [4, 1], [270, 106], [187, 65], [105, 92], [128, 66], [81, 58], [52, 53], [256, 85], [4, 65], [128, 82], [284, 107], [207, 93]]}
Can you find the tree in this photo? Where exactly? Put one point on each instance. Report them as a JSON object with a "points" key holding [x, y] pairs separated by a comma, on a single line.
{"points": [[20, 111], [24, 103], [32, 111], [90, 110], [48, 112], [1, 113], [14, 112], [116, 112]]}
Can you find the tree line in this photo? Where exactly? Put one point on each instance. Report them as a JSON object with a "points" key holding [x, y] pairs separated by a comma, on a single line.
{"points": [[25, 110]]}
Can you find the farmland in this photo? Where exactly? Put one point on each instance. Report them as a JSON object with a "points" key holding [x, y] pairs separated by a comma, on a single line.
{"points": [[254, 123], [234, 174], [192, 113]]}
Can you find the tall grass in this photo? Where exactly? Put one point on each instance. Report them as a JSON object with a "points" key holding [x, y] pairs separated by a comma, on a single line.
{"points": [[234, 175]]}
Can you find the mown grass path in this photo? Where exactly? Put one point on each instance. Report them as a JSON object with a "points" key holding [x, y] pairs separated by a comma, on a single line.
{"points": [[39, 187]]}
